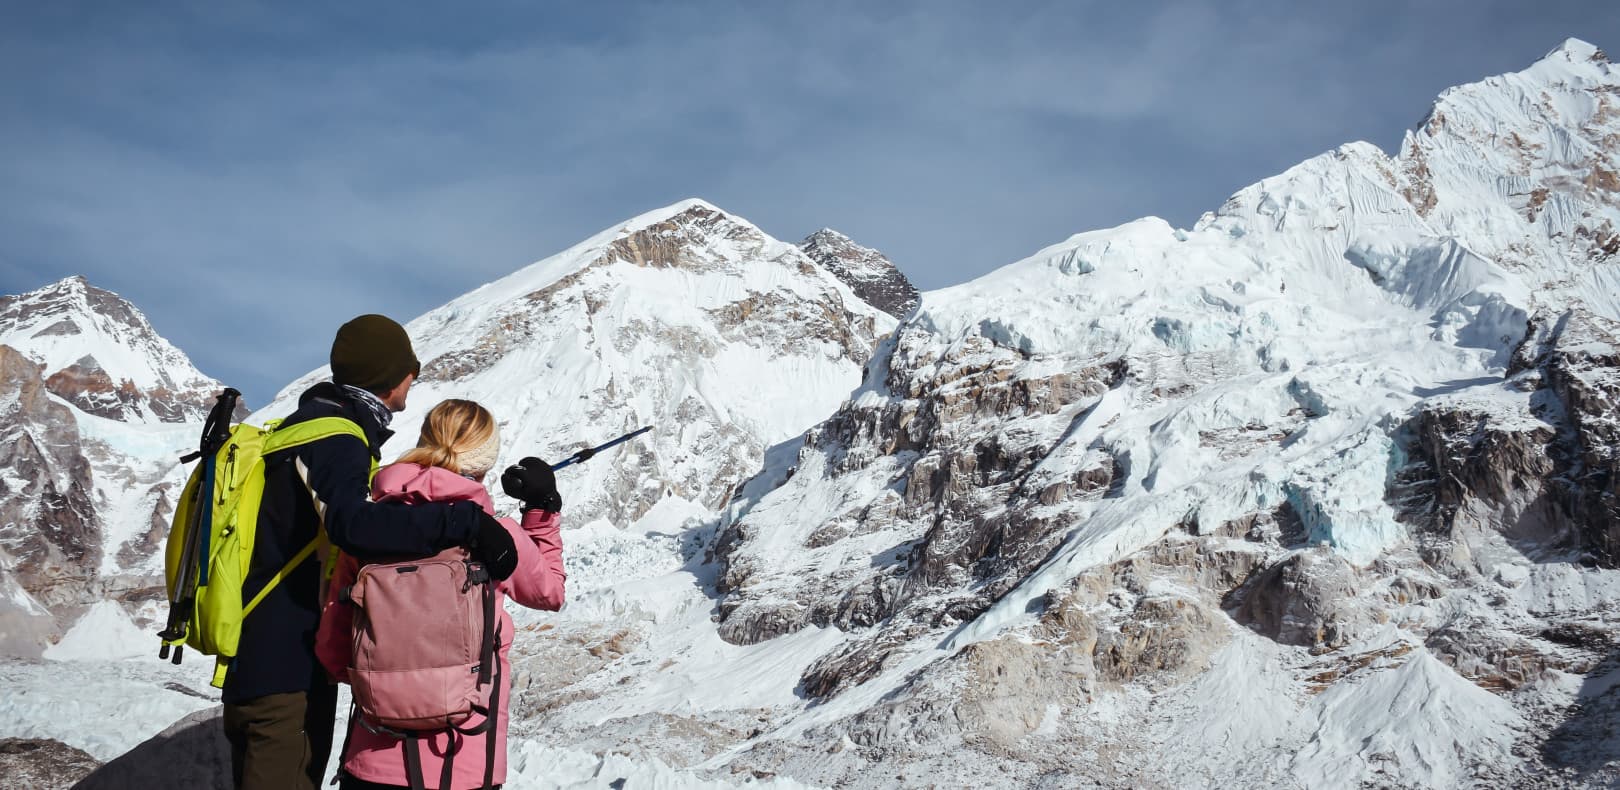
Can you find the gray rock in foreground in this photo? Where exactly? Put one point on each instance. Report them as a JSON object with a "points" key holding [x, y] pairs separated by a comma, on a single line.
{"points": [[191, 753], [42, 764]]}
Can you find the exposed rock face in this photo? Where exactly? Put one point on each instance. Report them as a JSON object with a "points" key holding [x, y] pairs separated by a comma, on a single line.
{"points": [[1580, 366], [1540, 470], [48, 524], [959, 512], [77, 331], [1306, 600], [872, 275]]}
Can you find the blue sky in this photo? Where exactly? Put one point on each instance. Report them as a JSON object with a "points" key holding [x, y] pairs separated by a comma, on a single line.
{"points": [[252, 174]]}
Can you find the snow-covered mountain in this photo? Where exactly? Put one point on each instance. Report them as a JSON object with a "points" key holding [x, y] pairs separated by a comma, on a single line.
{"points": [[686, 319], [1320, 492], [97, 410], [870, 273], [1302, 495], [101, 354]]}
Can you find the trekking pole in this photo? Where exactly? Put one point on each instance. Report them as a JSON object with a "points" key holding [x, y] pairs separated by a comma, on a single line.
{"points": [[183, 599], [587, 454]]}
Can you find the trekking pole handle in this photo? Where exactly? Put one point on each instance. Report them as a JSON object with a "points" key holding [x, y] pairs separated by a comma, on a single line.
{"points": [[217, 428], [576, 457]]}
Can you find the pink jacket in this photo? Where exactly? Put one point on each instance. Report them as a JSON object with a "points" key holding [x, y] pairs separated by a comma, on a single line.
{"points": [[537, 583]]}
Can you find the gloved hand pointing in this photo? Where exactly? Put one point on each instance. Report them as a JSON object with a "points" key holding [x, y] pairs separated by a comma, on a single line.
{"points": [[493, 546], [532, 482]]}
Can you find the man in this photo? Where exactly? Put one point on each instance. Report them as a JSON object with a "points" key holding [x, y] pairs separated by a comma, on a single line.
{"points": [[279, 704]]}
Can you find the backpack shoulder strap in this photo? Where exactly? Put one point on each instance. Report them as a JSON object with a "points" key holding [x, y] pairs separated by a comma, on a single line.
{"points": [[293, 436], [312, 431]]}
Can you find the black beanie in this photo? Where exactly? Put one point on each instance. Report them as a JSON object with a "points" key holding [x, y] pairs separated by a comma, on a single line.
{"points": [[373, 352]]}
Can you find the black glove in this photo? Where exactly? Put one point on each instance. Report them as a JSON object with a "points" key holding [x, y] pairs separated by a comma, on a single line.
{"points": [[532, 482], [493, 546], [585, 454]]}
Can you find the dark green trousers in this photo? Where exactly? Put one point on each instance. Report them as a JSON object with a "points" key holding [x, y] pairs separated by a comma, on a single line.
{"points": [[281, 741]]}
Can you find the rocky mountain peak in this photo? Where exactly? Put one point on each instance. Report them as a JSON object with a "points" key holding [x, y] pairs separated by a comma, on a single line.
{"points": [[693, 235], [686, 317], [868, 272], [99, 352]]}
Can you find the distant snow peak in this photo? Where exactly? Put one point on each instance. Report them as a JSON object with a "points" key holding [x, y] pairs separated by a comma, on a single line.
{"points": [[99, 353], [683, 238], [1576, 50], [866, 271]]}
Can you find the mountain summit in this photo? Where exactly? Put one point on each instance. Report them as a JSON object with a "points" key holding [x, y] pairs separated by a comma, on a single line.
{"points": [[98, 408], [102, 355], [686, 318], [871, 274]]}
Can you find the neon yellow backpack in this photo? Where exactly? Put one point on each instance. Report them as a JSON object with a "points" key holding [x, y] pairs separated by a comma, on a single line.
{"points": [[210, 545]]}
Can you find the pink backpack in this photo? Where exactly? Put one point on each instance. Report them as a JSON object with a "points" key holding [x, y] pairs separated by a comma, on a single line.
{"points": [[425, 649]]}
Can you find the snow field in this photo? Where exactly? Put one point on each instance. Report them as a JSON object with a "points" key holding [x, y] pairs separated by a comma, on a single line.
{"points": [[103, 633], [105, 707]]}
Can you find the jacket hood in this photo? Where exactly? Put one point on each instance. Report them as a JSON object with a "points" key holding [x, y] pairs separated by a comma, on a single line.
{"points": [[414, 484]]}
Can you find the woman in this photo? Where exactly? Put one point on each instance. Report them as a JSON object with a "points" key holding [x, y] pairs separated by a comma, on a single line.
{"points": [[458, 446]]}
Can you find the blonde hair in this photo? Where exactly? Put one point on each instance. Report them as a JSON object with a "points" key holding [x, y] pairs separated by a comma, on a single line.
{"points": [[452, 428]]}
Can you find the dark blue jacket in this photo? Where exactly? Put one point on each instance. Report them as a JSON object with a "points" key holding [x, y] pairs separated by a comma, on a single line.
{"points": [[277, 649]]}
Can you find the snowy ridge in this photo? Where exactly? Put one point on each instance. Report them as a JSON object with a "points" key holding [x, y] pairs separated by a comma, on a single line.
{"points": [[1524, 166]]}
